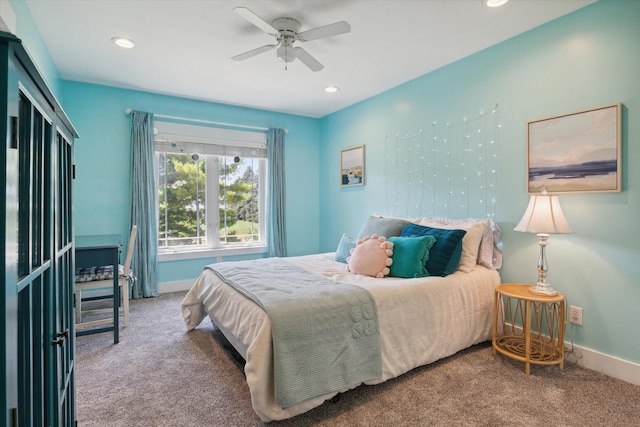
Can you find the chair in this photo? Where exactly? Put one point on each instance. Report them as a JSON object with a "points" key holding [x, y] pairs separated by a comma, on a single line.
{"points": [[104, 282]]}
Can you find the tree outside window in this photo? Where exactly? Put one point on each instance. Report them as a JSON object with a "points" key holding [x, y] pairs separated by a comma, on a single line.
{"points": [[191, 195]]}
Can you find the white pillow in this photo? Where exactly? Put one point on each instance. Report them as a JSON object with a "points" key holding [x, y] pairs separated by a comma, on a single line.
{"points": [[490, 252], [470, 241]]}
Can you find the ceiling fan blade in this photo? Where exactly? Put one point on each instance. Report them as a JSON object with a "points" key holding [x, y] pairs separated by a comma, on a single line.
{"points": [[254, 52], [255, 20], [338, 28], [308, 60]]}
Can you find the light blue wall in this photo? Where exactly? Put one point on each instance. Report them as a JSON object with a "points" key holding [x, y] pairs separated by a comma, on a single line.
{"points": [[102, 152], [102, 157], [586, 59], [33, 43]]}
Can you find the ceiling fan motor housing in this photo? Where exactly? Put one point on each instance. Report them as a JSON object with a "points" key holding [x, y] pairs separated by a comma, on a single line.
{"points": [[286, 24], [287, 34]]}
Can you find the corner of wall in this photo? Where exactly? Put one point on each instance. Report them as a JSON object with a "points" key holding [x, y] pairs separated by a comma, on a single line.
{"points": [[7, 17]]}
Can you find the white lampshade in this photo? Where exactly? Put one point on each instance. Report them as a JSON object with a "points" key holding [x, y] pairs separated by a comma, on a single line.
{"points": [[544, 216]]}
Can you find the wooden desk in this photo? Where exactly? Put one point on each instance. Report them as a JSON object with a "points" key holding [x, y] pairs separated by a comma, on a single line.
{"points": [[528, 327], [98, 250]]}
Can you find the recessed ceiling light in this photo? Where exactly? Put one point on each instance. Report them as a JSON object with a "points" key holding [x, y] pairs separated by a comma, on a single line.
{"points": [[123, 42], [331, 89], [495, 3]]}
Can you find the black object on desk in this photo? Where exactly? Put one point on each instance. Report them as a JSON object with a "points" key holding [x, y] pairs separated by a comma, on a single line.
{"points": [[99, 250]]}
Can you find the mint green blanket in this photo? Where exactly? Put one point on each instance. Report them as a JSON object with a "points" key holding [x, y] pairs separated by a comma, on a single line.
{"points": [[325, 334]]}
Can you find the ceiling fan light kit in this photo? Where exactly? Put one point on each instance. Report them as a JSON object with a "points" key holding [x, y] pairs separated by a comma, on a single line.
{"points": [[287, 32], [285, 52]]}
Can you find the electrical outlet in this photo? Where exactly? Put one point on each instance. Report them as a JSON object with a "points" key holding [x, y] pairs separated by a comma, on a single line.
{"points": [[575, 315]]}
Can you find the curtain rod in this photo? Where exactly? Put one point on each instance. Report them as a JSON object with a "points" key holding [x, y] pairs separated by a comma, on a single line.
{"points": [[210, 122]]}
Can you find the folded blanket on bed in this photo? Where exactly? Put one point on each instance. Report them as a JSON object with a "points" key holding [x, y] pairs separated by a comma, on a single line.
{"points": [[325, 334]]}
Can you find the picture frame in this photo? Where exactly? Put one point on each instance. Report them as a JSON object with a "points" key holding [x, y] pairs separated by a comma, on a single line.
{"points": [[577, 152], [352, 166]]}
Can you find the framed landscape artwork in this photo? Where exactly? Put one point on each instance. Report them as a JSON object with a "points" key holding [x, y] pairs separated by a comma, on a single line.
{"points": [[575, 153], [352, 166]]}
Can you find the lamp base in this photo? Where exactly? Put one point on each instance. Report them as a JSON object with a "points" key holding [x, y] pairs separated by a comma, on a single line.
{"points": [[541, 288]]}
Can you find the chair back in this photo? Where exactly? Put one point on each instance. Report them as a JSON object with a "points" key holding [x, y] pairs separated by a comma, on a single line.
{"points": [[132, 241]]}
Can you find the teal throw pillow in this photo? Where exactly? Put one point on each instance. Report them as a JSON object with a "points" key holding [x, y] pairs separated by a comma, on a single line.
{"points": [[445, 254], [344, 248], [410, 255]]}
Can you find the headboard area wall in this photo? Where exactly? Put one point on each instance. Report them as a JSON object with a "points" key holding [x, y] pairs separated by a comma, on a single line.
{"points": [[446, 169]]}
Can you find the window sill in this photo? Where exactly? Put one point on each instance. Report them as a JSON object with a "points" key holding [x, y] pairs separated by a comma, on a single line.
{"points": [[210, 253]]}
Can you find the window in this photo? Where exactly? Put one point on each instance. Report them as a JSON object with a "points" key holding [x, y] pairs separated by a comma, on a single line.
{"points": [[211, 189]]}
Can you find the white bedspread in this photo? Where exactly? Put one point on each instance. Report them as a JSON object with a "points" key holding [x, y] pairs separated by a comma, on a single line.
{"points": [[420, 320]]}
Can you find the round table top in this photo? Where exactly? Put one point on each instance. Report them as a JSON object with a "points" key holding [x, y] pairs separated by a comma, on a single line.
{"points": [[522, 291]]}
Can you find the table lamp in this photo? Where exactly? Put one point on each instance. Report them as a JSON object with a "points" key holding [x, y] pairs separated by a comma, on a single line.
{"points": [[543, 217]]}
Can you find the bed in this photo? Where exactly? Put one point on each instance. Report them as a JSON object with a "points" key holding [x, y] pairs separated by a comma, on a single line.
{"points": [[419, 320]]}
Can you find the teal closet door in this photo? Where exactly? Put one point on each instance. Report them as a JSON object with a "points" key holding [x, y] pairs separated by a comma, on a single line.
{"points": [[36, 163]]}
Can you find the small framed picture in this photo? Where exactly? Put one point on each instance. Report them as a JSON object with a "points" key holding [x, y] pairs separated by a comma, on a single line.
{"points": [[352, 166], [577, 152]]}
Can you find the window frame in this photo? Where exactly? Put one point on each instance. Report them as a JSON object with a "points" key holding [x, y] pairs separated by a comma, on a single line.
{"points": [[214, 144]]}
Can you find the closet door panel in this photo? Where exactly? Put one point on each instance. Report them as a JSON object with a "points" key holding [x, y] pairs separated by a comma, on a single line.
{"points": [[37, 303], [35, 270], [63, 313]]}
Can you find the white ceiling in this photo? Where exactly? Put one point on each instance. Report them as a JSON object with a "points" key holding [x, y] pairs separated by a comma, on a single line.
{"points": [[184, 47]]}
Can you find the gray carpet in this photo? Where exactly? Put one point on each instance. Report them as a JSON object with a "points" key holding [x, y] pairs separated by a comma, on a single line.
{"points": [[161, 375]]}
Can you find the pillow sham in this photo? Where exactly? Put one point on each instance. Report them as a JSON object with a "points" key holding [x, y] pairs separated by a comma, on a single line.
{"points": [[410, 255], [371, 257], [382, 226], [345, 245], [445, 253], [490, 252], [470, 242]]}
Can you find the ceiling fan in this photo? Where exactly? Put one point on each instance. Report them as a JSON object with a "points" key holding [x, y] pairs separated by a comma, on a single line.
{"points": [[286, 32]]}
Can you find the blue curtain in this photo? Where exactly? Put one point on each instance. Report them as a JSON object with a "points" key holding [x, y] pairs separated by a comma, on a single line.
{"points": [[276, 234], [143, 206]]}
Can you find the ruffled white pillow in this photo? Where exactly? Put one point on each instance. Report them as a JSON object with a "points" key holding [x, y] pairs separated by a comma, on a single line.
{"points": [[470, 241], [490, 252]]}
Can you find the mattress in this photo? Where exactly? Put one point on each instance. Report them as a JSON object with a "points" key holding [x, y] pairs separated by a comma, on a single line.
{"points": [[420, 321]]}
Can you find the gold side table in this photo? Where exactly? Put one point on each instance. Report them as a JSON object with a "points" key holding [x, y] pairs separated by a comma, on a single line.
{"points": [[528, 327]]}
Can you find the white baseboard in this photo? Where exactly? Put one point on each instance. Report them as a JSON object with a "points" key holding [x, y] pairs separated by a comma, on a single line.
{"points": [[609, 365], [177, 286], [604, 363]]}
